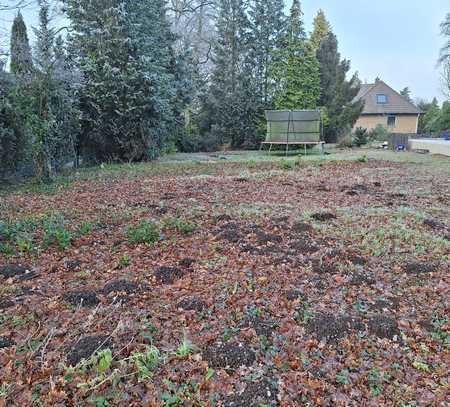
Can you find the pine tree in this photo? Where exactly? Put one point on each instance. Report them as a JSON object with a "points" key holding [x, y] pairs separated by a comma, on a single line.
{"points": [[13, 140], [295, 68], [154, 40], [320, 31], [21, 60], [230, 111], [296, 30], [45, 38], [47, 142], [406, 93], [444, 120], [429, 120], [126, 112], [337, 92], [267, 30]]}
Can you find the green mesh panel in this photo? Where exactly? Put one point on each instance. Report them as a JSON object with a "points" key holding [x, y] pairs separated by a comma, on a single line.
{"points": [[293, 126]]}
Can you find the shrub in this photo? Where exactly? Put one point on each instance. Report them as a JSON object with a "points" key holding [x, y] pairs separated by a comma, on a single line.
{"points": [[24, 243], [183, 226], [345, 141], [287, 164], [196, 143], [55, 232], [186, 348], [7, 250], [379, 133], [145, 232], [362, 159], [146, 362], [124, 261], [85, 228], [360, 137]]}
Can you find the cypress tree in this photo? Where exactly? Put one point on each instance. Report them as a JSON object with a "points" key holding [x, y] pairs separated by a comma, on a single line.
{"points": [[45, 38], [321, 28], [127, 83], [231, 109], [296, 30], [13, 138], [21, 60], [337, 92], [296, 68], [48, 143], [267, 29], [429, 120], [406, 93]]}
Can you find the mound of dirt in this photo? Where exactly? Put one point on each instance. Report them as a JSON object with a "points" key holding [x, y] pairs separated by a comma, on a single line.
{"points": [[264, 238], [261, 251], [186, 262], [73, 265], [359, 278], [302, 227], [223, 218], [295, 294], [121, 287], [15, 270], [6, 303], [419, 267], [358, 260], [384, 327], [280, 219], [167, 196], [332, 327], [323, 216], [389, 304], [168, 275], [433, 224], [232, 236], [229, 355], [260, 393], [324, 267], [263, 327], [86, 347], [84, 298], [303, 246], [5, 342], [192, 304]]}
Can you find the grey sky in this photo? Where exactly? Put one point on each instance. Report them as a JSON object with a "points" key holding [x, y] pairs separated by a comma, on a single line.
{"points": [[397, 40]]}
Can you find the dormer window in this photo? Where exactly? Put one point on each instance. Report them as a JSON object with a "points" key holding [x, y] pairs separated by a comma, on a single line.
{"points": [[381, 99]]}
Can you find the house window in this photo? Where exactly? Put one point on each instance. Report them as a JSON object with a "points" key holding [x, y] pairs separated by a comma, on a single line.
{"points": [[391, 121], [381, 99]]}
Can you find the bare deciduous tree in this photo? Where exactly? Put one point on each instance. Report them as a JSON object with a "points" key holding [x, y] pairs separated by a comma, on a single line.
{"points": [[446, 79], [193, 23]]}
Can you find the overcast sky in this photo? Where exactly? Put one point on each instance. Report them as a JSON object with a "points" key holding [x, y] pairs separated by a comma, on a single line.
{"points": [[397, 40]]}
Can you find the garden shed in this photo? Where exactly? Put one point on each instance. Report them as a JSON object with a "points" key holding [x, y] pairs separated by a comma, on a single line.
{"points": [[293, 127]]}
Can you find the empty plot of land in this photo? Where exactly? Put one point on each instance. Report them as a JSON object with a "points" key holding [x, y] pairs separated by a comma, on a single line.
{"points": [[234, 280]]}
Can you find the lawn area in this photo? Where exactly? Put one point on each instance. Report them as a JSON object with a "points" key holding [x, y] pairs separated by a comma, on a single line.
{"points": [[229, 279]]}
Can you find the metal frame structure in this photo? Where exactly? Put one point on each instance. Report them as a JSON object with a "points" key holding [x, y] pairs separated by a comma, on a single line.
{"points": [[297, 124]]}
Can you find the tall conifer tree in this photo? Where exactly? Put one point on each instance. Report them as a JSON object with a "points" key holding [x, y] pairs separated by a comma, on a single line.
{"points": [[21, 59], [296, 68], [337, 92], [321, 28], [126, 74], [267, 29], [232, 106]]}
